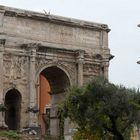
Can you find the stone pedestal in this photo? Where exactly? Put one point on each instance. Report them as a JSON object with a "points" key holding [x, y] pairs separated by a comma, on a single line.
{"points": [[68, 129], [54, 122]]}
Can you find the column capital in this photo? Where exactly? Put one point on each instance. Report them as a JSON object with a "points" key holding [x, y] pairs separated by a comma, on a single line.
{"points": [[80, 56], [80, 52], [33, 47], [105, 64]]}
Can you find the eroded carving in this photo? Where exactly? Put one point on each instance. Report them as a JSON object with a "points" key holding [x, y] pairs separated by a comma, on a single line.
{"points": [[69, 67], [92, 69], [15, 68]]}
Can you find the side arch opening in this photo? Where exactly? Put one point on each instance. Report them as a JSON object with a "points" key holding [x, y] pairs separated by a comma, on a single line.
{"points": [[13, 109]]}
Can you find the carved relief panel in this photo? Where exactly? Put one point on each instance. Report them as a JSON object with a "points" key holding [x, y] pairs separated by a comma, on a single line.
{"points": [[15, 68], [91, 70]]}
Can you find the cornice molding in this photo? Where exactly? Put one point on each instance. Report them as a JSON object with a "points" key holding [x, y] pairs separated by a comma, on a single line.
{"points": [[13, 12]]}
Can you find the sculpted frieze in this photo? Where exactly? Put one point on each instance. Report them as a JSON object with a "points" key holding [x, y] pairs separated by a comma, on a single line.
{"points": [[92, 69], [15, 67], [41, 62]]}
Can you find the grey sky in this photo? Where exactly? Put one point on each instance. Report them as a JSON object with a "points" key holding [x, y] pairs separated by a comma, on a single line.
{"points": [[122, 16]]}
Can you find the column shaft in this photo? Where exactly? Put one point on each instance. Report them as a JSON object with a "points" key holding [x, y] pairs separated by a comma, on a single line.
{"points": [[33, 121], [80, 62], [80, 74], [1, 74], [2, 122]]}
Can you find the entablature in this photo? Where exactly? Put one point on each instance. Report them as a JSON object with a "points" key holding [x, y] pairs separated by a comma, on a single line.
{"points": [[13, 12]]}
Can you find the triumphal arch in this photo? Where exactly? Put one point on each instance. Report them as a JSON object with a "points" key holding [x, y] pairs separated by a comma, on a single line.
{"points": [[41, 55]]}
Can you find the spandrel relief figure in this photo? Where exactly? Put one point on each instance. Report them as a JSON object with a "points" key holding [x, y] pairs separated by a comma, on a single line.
{"points": [[12, 72]]}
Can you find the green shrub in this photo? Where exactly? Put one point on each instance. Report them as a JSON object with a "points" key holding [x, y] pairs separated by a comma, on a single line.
{"points": [[10, 134]]}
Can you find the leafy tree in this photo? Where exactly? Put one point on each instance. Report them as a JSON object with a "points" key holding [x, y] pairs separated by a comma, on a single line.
{"points": [[103, 109]]}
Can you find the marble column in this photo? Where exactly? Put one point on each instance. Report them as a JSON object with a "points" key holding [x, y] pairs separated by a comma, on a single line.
{"points": [[80, 62], [33, 121], [2, 42]]}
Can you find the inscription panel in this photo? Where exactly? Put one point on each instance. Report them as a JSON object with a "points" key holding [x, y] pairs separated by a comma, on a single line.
{"points": [[50, 32]]}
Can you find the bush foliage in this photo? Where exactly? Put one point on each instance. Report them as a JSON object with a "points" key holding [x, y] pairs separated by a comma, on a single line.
{"points": [[10, 134], [102, 110]]}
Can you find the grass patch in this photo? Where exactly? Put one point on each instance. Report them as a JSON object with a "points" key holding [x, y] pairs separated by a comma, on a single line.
{"points": [[10, 134]]}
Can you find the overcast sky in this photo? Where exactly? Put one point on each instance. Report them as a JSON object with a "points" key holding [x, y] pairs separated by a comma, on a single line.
{"points": [[122, 17]]}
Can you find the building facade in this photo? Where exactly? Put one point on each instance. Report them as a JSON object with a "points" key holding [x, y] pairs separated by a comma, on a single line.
{"points": [[40, 56]]}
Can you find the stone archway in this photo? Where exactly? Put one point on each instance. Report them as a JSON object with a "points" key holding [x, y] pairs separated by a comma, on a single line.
{"points": [[53, 83], [13, 105]]}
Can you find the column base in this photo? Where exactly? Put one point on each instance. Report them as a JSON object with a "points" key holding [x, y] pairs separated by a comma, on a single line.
{"points": [[54, 122], [33, 121], [3, 126], [2, 122]]}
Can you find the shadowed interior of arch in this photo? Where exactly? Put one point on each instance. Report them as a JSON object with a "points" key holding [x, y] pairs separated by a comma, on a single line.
{"points": [[57, 79], [13, 108], [53, 82]]}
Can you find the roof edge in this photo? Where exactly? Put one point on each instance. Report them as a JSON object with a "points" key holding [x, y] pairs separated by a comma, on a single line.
{"points": [[9, 11]]}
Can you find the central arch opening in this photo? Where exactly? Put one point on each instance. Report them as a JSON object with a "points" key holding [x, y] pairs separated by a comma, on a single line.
{"points": [[13, 108], [53, 82]]}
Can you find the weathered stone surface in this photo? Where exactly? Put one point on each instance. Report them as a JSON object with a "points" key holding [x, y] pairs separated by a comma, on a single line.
{"points": [[32, 42]]}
